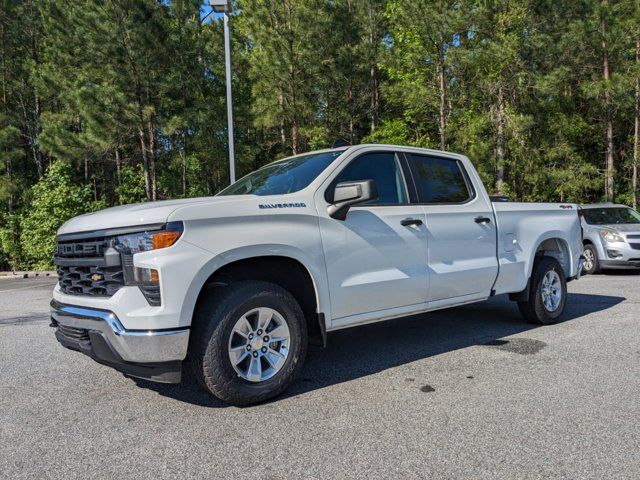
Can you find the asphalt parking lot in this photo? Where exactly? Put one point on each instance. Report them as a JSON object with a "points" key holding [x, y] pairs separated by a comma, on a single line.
{"points": [[472, 392]]}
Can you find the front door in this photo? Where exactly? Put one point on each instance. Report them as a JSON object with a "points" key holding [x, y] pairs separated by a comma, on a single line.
{"points": [[377, 258]]}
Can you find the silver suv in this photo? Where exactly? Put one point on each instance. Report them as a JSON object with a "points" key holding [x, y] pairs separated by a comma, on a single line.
{"points": [[611, 237]]}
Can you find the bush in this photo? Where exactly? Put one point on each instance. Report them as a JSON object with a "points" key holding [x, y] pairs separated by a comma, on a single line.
{"points": [[10, 247], [55, 199]]}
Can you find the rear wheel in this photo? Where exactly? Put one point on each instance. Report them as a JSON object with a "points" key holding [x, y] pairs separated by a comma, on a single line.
{"points": [[547, 293], [591, 264], [248, 343]]}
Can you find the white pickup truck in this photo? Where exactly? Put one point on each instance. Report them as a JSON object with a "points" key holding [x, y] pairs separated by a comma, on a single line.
{"points": [[237, 284]]}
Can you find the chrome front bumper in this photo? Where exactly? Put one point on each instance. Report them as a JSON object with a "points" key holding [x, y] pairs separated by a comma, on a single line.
{"points": [[152, 354]]}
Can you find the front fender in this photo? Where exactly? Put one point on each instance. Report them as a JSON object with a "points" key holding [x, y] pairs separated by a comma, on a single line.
{"points": [[313, 265]]}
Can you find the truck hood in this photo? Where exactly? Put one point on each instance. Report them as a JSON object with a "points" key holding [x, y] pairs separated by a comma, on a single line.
{"points": [[134, 214]]}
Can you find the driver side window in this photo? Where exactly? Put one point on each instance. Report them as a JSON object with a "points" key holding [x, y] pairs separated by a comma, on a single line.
{"points": [[384, 169]]}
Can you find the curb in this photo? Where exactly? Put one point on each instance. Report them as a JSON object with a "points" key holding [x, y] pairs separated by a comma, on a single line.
{"points": [[28, 274]]}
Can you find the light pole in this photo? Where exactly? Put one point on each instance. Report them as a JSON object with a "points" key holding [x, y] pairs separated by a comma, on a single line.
{"points": [[224, 7]]}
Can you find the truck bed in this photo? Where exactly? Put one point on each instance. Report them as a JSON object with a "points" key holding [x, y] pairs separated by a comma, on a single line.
{"points": [[519, 232]]}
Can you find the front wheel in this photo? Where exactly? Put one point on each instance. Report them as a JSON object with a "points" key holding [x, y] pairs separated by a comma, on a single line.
{"points": [[591, 264], [249, 342], [547, 294]]}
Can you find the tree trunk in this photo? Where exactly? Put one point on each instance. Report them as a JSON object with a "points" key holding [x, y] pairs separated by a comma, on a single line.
{"points": [[152, 159], [636, 127], [294, 118], [184, 175], [145, 163], [500, 143], [373, 73], [36, 133], [283, 135], [118, 167], [443, 103], [31, 130], [609, 182], [352, 134], [294, 135], [183, 154], [9, 180], [37, 109], [4, 66], [292, 106], [375, 98]]}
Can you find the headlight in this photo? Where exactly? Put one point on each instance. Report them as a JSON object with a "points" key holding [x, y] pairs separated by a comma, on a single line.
{"points": [[611, 236], [147, 279], [133, 243]]}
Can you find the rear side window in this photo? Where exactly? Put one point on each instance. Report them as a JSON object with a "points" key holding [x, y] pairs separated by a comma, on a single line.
{"points": [[439, 180], [384, 169]]}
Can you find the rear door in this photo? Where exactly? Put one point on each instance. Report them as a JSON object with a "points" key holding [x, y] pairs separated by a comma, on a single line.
{"points": [[377, 258], [461, 230]]}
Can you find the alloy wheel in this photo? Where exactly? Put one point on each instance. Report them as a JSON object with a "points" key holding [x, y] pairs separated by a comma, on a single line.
{"points": [[259, 344], [589, 259], [551, 291]]}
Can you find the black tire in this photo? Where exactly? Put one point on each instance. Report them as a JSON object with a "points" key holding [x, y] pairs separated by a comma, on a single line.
{"points": [[213, 325], [595, 267], [533, 309]]}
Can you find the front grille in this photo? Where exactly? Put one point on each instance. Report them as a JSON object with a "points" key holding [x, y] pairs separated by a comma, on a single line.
{"points": [[633, 237], [98, 266], [83, 268], [75, 334], [635, 246], [90, 280]]}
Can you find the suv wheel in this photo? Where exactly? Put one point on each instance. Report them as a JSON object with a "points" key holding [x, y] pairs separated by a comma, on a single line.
{"points": [[249, 342], [591, 264], [547, 294]]}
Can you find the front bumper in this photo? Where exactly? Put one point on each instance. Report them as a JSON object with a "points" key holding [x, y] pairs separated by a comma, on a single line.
{"points": [[620, 255], [151, 354]]}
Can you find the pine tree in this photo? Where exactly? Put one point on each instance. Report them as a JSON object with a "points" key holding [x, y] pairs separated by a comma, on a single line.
{"points": [[286, 48]]}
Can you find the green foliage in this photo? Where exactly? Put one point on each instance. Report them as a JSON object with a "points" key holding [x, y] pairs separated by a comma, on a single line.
{"points": [[131, 187], [10, 246], [55, 199], [391, 132]]}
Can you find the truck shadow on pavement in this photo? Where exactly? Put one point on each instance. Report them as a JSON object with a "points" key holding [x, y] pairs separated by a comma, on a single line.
{"points": [[361, 351]]}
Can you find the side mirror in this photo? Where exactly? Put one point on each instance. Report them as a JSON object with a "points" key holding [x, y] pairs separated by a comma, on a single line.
{"points": [[347, 194]]}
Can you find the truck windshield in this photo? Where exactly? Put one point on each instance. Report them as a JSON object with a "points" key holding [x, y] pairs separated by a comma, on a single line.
{"points": [[605, 216], [284, 176]]}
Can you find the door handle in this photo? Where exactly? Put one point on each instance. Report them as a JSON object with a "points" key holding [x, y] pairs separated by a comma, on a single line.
{"points": [[411, 221], [482, 220]]}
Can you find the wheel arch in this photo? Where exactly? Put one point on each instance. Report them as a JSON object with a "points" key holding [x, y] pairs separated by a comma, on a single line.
{"points": [[551, 245], [283, 268], [555, 247]]}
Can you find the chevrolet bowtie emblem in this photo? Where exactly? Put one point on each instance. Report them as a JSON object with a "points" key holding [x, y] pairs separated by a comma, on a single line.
{"points": [[96, 277]]}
